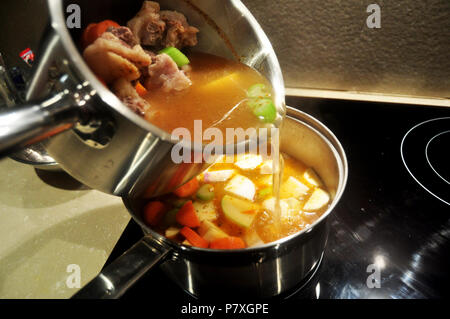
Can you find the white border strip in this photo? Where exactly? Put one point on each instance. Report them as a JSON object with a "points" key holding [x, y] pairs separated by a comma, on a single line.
{"points": [[372, 97]]}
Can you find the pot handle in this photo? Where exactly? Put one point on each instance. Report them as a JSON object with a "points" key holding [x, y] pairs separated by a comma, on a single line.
{"points": [[115, 279], [23, 125]]}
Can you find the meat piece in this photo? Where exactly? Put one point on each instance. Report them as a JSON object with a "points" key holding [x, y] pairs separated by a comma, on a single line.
{"points": [[125, 35], [135, 54], [178, 34], [164, 73], [162, 28], [109, 66], [151, 54], [147, 24], [137, 104], [125, 91], [110, 58]]}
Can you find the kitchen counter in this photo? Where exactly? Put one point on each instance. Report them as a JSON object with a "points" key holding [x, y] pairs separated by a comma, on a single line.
{"points": [[47, 222]]}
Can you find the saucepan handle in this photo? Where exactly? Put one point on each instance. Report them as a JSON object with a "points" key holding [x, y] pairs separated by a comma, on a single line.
{"points": [[27, 124], [115, 279]]}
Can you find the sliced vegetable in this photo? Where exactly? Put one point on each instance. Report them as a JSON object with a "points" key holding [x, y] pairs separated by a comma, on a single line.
{"points": [[218, 176], [95, 30], [264, 109], [311, 177], [177, 56], [170, 218], [241, 186], [140, 89], [187, 216], [266, 167], [187, 189], [153, 212], [293, 204], [228, 243], [225, 159], [205, 211], [239, 211], [318, 200], [258, 90], [292, 187], [252, 238], [210, 231], [248, 161], [172, 232], [88, 36], [266, 180], [262, 193], [206, 192], [194, 238], [223, 83]]}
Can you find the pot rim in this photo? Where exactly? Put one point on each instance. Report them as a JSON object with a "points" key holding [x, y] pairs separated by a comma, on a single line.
{"points": [[328, 137]]}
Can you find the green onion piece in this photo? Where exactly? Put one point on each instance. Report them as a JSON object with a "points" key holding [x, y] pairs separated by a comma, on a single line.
{"points": [[206, 192], [258, 90], [264, 192], [176, 55], [169, 218], [264, 109]]}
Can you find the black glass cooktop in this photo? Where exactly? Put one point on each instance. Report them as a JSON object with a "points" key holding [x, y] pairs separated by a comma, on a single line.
{"points": [[390, 233]]}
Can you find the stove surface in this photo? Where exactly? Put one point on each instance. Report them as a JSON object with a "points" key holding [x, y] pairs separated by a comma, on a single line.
{"points": [[390, 236]]}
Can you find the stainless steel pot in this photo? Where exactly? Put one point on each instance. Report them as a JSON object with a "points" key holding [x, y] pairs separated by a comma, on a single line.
{"points": [[264, 271], [104, 144]]}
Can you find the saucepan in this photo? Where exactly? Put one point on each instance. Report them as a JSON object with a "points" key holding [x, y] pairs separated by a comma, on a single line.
{"points": [[88, 131], [260, 272]]}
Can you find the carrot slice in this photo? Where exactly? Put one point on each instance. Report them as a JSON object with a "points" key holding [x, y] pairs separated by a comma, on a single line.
{"points": [[88, 35], [188, 189], [153, 212], [140, 89], [227, 243], [94, 30], [187, 216], [194, 238]]}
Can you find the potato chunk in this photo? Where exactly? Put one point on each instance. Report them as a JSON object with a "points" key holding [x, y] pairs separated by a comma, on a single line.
{"points": [[318, 200]]}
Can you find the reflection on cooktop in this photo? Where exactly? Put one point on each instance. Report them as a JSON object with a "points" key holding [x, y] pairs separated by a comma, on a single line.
{"points": [[389, 237]]}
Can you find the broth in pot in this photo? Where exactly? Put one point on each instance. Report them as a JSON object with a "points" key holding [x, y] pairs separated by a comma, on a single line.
{"points": [[232, 205]]}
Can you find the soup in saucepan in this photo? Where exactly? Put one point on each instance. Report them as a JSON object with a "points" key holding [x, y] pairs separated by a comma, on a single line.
{"points": [[232, 206]]}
